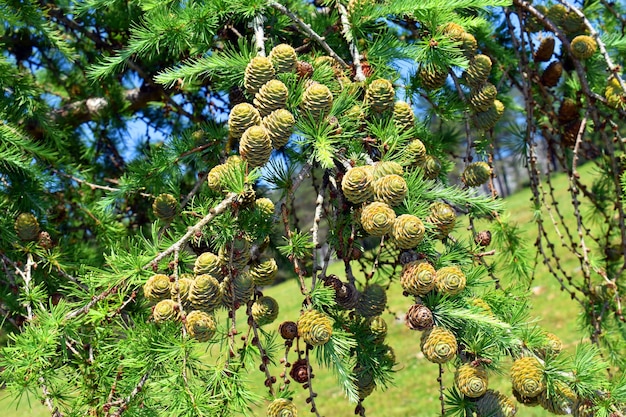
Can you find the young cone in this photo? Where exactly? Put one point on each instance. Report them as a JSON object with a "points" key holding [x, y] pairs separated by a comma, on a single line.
{"points": [[272, 96], [357, 185], [418, 278], [157, 288], [264, 310], [583, 47], [408, 231], [390, 189], [27, 227], [258, 71], [450, 280], [317, 100], [476, 174], [478, 71], [200, 325], [495, 404], [372, 301], [471, 381], [165, 207], [380, 96], [403, 116], [279, 125], [165, 310], [438, 345], [527, 377], [255, 146], [242, 116], [282, 407], [315, 327], [377, 219], [283, 58]]}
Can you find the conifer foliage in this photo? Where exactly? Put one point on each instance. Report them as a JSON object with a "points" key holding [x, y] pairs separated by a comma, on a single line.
{"points": [[127, 262]]}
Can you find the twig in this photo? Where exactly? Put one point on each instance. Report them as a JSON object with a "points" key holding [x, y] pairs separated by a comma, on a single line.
{"points": [[296, 263], [319, 203], [308, 31], [346, 30], [259, 35], [123, 404], [441, 390], [95, 186], [48, 399], [312, 394], [194, 190]]}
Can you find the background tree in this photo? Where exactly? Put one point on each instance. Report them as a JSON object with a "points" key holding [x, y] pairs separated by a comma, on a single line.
{"points": [[125, 252]]}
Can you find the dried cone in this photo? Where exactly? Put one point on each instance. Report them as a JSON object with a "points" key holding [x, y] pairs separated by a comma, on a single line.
{"points": [[205, 293], [443, 217], [282, 407], [242, 116], [347, 296], [583, 408], [390, 189], [264, 310], [200, 325], [478, 71], [243, 288], [414, 153], [471, 381], [264, 272], [255, 146], [165, 310], [403, 116], [408, 231], [27, 227], [495, 404], [583, 47], [377, 219], [527, 377], [432, 78], [288, 330], [419, 317], [568, 111], [561, 399], [545, 50], [482, 98], [300, 371], [272, 96], [380, 96], [165, 207], [317, 100], [483, 238], [304, 69], [431, 167], [438, 345], [258, 71], [450, 280], [315, 327], [364, 382], [487, 119], [418, 278], [570, 133], [552, 74], [372, 301], [378, 329], [279, 125], [283, 58], [383, 168], [208, 263], [157, 288], [357, 184], [476, 174]]}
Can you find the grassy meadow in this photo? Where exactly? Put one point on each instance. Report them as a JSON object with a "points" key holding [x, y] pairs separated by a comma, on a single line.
{"points": [[415, 389]]}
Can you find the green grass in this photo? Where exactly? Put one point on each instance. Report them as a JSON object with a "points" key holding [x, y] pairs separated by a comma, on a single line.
{"points": [[415, 389]]}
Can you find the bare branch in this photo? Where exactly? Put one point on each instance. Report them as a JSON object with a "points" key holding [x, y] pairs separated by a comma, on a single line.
{"points": [[359, 75]]}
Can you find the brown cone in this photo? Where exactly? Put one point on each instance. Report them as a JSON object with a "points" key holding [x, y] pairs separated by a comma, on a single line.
{"points": [[419, 317]]}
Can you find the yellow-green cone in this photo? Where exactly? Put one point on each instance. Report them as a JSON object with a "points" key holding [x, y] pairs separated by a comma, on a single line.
{"points": [[408, 231], [185, 281], [573, 24], [205, 293], [165, 206], [165, 310], [431, 167], [272, 96], [157, 288], [560, 401], [255, 146], [383, 168], [266, 206], [443, 217], [372, 301], [414, 153], [390, 189], [239, 256], [27, 227], [438, 345], [258, 71], [453, 30], [554, 344], [557, 13], [242, 116], [243, 289], [482, 98], [200, 325], [471, 381], [357, 184], [279, 125], [377, 219], [487, 119], [380, 96], [583, 47], [378, 328], [282, 407], [527, 377], [208, 263], [403, 116], [364, 382], [215, 178], [469, 45], [264, 310], [315, 327], [450, 280], [418, 278], [495, 404], [482, 305], [283, 58], [317, 100], [432, 78], [263, 273], [476, 174], [545, 49], [614, 94], [478, 71]]}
